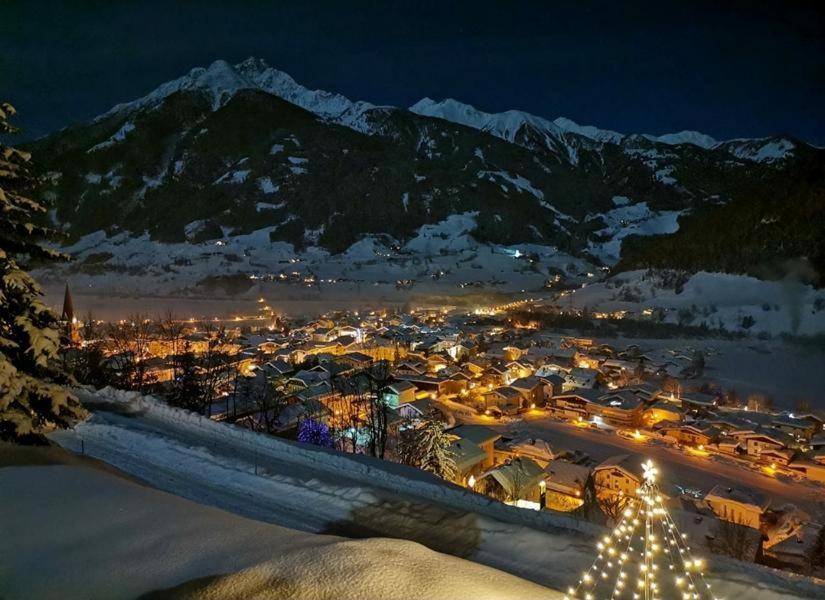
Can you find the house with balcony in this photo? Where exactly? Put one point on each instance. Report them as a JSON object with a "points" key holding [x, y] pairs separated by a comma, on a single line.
{"points": [[618, 475]]}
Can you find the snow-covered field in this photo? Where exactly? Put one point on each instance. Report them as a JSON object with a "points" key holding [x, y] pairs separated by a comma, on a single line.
{"points": [[442, 257], [316, 490], [711, 298], [79, 532]]}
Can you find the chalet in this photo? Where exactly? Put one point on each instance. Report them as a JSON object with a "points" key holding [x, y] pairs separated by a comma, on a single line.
{"points": [[796, 550], [698, 401], [554, 384], [410, 368], [398, 393], [278, 368], [729, 445], [519, 482], [572, 406], [347, 331], [463, 350], [484, 437], [436, 386], [416, 410], [618, 475], [817, 443], [800, 428], [534, 390], [618, 366], [562, 357], [537, 449], [566, 483], [469, 459], [477, 365], [690, 434], [777, 456], [293, 413], [506, 399], [815, 471], [585, 361], [760, 440], [661, 411], [358, 360], [580, 378], [323, 334], [551, 369], [617, 408], [745, 507], [646, 391], [517, 370], [305, 379]]}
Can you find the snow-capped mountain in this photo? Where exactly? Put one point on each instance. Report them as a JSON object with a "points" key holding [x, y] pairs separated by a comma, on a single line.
{"points": [[508, 124], [230, 150], [221, 80]]}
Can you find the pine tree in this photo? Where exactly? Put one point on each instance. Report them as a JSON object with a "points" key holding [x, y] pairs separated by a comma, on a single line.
{"points": [[428, 448], [32, 399]]}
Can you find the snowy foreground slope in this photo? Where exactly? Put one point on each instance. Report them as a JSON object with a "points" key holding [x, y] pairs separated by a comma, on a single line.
{"points": [[315, 490], [78, 532]]}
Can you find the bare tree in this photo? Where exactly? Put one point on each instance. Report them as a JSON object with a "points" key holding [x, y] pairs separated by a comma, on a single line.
{"points": [[346, 404], [377, 409], [170, 331], [733, 539], [271, 403], [215, 364], [613, 505], [128, 348]]}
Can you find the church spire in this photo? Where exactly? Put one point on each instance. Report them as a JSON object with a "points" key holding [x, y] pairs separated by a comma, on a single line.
{"points": [[68, 306]]}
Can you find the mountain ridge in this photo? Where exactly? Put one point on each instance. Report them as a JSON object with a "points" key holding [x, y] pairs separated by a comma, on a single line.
{"points": [[227, 149]]}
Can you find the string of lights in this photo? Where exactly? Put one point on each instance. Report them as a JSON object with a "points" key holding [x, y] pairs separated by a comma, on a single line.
{"points": [[646, 532]]}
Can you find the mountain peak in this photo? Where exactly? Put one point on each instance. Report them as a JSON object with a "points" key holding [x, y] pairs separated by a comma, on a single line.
{"points": [[221, 80], [685, 137], [507, 124]]}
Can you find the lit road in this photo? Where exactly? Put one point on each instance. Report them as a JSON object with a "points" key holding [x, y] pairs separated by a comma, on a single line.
{"points": [[676, 467]]}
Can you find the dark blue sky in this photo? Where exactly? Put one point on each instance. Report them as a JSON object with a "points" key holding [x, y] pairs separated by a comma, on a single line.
{"points": [[729, 69]]}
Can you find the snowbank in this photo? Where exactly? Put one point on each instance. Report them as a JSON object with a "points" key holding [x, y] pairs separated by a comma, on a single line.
{"points": [[82, 533]]}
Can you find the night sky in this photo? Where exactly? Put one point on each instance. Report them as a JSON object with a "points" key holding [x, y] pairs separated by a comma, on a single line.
{"points": [[729, 69]]}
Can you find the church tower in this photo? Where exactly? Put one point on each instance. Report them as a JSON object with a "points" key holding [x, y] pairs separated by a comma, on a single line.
{"points": [[68, 307]]}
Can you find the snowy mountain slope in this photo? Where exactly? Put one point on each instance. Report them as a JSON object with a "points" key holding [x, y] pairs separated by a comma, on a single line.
{"points": [[319, 490], [227, 150]]}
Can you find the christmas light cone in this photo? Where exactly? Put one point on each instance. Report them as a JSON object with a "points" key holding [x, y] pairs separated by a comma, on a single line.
{"points": [[644, 557]]}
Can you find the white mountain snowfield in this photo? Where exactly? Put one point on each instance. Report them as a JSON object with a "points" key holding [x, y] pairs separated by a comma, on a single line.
{"points": [[315, 490]]}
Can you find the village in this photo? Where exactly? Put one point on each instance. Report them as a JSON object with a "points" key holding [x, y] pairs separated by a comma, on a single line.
{"points": [[532, 417]]}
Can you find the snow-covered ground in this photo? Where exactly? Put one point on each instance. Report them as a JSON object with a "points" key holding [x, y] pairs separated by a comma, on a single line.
{"points": [[442, 258], [313, 489], [712, 298], [629, 219], [79, 532]]}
